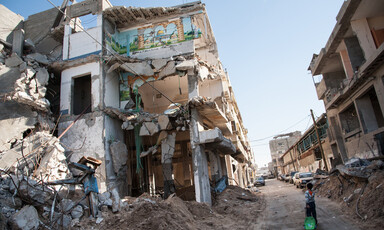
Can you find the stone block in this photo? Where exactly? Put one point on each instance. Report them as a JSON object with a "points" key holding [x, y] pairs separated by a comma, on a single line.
{"points": [[209, 136], [27, 218], [77, 212]]}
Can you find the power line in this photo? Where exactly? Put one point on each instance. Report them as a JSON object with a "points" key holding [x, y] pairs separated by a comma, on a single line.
{"points": [[117, 57], [281, 132]]}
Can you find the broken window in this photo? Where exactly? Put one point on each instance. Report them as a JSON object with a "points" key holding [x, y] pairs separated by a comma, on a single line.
{"points": [[348, 119], [81, 98], [370, 112]]}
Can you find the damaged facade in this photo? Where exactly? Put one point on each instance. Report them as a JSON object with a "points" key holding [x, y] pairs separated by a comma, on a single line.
{"points": [[278, 146], [306, 154], [143, 91], [352, 81]]}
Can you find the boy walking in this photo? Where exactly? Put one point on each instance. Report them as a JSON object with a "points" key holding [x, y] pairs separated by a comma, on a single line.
{"points": [[310, 202]]}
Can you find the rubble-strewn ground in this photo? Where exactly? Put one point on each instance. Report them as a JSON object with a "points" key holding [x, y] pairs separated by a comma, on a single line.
{"points": [[234, 208], [349, 190]]}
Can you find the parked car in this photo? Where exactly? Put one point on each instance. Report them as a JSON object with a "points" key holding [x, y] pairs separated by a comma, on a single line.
{"points": [[296, 178], [303, 179], [291, 176], [286, 178], [260, 181], [280, 177]]}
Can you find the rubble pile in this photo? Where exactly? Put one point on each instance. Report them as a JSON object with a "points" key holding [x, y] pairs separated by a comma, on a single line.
{"points": [[147, 212], [359, 187]]}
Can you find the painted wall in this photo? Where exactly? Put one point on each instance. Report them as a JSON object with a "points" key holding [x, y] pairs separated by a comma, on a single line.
{"points": [[67, 82], [160, 40], [81, 44]]}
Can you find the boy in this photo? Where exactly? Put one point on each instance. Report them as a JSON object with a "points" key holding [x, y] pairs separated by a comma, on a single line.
{"points": [[310, 202]]}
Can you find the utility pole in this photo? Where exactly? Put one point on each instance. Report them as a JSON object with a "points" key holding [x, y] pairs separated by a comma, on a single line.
{"points": [[318, 139]]}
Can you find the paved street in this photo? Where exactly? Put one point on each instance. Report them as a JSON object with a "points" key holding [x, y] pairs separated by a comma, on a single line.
{"points": [[285, 209]]}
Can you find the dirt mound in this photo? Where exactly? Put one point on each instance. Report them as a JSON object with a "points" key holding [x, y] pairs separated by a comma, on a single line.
{"points": [[353, 193], [234, 208]]}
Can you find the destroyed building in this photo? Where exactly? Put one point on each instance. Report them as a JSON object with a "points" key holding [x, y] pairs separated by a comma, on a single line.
{"points": [[278, 146], [306, 154], [351, 82], [143, 91]]}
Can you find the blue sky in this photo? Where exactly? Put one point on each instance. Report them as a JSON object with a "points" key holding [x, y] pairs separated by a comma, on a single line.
{"points": [[266, 47]]}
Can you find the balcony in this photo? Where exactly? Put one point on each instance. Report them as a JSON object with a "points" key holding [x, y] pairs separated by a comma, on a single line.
{"points": [[321, 88]]}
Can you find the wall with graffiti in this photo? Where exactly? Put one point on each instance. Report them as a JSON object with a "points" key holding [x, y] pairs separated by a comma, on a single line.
{"points": [[143, 40]]}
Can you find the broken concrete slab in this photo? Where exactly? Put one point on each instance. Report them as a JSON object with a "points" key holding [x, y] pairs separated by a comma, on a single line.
{"points": [[164, 122], [209, 136], [18, 41], [40, 58], [148, 129], [159, 63], [169, 69], [140, 68], [13, 61], [113, 67], [119, 155], [42, 76], [186, 65], [27, 218]]}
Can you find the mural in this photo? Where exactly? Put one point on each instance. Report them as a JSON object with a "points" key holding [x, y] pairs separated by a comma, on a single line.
{"points": [[158, 35]]}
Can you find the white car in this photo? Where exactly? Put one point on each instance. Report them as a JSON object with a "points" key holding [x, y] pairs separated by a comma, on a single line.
{"points": [[301, 179]]}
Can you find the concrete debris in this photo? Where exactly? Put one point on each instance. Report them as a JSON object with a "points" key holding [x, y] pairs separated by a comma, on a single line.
{"points": [[164, 122], [186, 65], [148, 129], [40, 58], [77, 212], [105, 199], [203, 73], [42, 76], [140, 68], [27, 218], [159, 63], [119, 155], [13, 61], [169, 69]]}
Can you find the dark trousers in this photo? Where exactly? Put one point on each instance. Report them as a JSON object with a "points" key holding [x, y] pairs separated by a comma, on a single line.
{"points": [[311, 211]]}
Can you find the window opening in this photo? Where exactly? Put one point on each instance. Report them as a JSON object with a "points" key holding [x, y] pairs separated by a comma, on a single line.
{"points": [[82, 94]]}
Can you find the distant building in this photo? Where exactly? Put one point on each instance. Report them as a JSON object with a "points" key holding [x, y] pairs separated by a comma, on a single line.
{"points": [[279, 145], [352, 80]]}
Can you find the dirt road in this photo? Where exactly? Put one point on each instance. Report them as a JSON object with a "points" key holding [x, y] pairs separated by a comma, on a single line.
{"points": [[285, 209]]}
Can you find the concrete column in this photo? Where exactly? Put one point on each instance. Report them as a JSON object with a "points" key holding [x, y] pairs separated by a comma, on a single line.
{"points": [[214, 163], [186, 163], [141, 38], [18, 42], [167, 151], [363, 32], [240, 175], [339, 138], [67, 33], [199, 158]]}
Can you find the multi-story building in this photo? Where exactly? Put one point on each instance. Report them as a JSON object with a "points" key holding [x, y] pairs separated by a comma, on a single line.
{"points": [[307, 155], [278, 146], [352, 77], [143, 91]]}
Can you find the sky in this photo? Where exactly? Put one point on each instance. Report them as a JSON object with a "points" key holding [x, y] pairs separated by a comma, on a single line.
{"points": [[266, 47]]}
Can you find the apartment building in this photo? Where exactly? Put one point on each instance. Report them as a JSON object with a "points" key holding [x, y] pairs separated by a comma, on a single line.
{"points": [[351, 83], [144, 91], [278, 146]]}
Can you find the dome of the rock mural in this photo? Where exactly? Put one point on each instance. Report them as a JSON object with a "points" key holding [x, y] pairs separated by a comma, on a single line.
{"points": [[160, 32]]}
